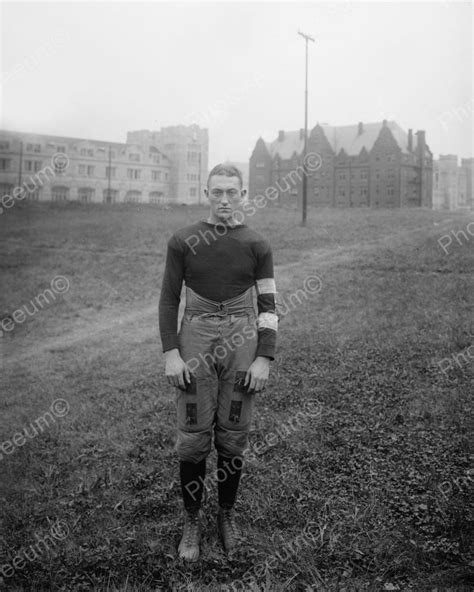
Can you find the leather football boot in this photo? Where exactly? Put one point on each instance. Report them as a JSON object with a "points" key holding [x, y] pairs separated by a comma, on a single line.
{"points": [[228, 532], [189, 545]]}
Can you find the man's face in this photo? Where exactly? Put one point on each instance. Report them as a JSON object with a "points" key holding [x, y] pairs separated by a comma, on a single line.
{"points": [[225, 195]]}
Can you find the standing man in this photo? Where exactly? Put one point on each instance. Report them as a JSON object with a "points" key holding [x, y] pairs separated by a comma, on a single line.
{"points": [[221, 356]]}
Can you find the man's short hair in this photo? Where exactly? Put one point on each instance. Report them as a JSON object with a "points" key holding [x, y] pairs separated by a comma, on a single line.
{"points": [[228, 170]]}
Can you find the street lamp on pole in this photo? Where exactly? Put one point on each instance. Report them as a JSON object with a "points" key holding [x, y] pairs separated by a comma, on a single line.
{"points": [[305, 145]]}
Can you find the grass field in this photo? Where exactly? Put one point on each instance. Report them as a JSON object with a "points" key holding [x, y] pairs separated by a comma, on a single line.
{"points": [[379, 475]]}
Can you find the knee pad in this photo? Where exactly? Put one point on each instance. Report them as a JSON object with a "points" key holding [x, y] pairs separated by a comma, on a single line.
{"points": [[231, 442], [193, 446]]}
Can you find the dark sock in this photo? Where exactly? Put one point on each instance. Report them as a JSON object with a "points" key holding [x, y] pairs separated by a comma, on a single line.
{"points": [[227, 487], [192, 483]]}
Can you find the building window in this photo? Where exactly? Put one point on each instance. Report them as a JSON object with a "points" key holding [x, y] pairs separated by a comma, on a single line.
{"points": [[33, 147], [60, 193], [155, 158], [341, 192], [90, 171], [193, 157], [166, 176], [28, 165], [156, 197], [38, 165], [110, 195], [134, 157], [133, 196], [82, 170], [259, 165], [110, 172], [90, 152], [4, 164], [363, 191], [391, 157], [59, 169], [170, 146], [192, 191], [391, 191], [4, 145], [61, 149], [377, 175], [33, 195], [342, 176], [364, 175], [5, 189], [156, 175], [133, 173], [85, 194]]}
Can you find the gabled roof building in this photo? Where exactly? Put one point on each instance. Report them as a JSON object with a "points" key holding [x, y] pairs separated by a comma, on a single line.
{"points": [[367, 164]]}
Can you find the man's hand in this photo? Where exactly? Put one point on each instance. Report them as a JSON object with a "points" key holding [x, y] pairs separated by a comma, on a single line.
{"points": [[257, 375], [176, 370]]}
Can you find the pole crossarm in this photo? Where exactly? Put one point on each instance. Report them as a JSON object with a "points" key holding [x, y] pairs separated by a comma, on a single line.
{"points": [[307, 37]]}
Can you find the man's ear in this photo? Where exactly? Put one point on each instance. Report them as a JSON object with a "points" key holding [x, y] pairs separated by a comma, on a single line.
{"points": [[206, 191], [243, 192]]}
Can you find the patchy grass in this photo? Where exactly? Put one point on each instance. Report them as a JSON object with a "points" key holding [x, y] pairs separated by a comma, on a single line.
{"points": [[381, 474]]}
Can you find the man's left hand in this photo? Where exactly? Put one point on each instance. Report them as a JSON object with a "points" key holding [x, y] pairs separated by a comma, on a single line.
{"points": [[257, 375]]}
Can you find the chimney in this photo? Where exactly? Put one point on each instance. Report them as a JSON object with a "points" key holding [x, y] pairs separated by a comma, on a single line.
{"points": [[301, 133], [421, 142], [281, 136], [360, 129], [410, 140]]}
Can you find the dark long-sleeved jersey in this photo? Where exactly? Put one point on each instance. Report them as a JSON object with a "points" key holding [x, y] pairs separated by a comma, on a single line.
{"points": [[219, 263]]}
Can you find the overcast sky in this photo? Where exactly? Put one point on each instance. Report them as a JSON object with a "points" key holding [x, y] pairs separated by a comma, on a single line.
{"points": [[96, 70]]}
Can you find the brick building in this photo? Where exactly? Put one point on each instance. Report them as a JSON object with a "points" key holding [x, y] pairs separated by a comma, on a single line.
{"points": [[368, 164], [136, 171], [452, 184]]}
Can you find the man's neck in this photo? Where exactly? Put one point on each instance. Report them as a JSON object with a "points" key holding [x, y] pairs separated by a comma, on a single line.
{"points": [[229, 222]]}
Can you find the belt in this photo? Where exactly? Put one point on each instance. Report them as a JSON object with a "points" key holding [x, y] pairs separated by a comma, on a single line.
{"points": [[241, 304]]}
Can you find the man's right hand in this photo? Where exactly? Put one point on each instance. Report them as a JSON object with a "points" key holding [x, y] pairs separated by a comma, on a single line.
{"points": [[176, 370]]}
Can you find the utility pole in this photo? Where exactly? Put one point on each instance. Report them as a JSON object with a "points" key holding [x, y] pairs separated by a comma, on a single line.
{"points": [[109, 196], [305, 145], [199, 178], [20, 167]]}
